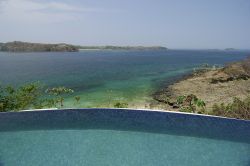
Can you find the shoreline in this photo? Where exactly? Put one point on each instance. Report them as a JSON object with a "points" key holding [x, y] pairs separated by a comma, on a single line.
{"points": [[20, 46], [227, 87]]}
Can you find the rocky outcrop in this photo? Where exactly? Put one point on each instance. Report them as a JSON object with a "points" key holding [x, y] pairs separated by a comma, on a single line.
{"points": [[214, 86]]}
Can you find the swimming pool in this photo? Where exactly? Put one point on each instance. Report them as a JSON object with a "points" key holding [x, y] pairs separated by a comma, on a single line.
{"points": [[121, 137]]}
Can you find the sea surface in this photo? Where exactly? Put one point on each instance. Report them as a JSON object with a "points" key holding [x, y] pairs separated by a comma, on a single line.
{"points": [[102, 78]]}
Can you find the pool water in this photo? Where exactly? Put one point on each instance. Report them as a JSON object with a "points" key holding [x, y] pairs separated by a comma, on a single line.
{"points": [[113, 147], [121, 137]]}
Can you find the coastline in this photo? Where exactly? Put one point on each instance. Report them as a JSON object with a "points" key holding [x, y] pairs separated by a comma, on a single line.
{"points": [[20, 46], [137, 92], [214, 86], [165, 88]]}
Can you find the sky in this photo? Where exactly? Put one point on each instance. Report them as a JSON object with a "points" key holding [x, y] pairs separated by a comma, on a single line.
{"points": [[187, 24]]}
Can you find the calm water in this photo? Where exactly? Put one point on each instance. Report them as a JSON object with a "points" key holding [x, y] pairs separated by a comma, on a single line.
{"points": [[108, 147], [102, 78], [111, 137]]}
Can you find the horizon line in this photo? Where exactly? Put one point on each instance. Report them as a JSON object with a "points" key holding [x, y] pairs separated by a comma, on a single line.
{"points": [[126, 45]]}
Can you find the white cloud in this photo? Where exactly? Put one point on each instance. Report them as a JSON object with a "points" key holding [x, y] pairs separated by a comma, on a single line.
{"points": [[30, 10]]}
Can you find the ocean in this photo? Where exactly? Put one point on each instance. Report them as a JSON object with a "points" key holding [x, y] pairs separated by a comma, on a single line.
{"points": [[103, 77]]}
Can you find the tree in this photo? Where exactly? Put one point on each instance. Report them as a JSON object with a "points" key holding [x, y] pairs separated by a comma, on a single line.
{"points": [[24, 97], [59, 92]]}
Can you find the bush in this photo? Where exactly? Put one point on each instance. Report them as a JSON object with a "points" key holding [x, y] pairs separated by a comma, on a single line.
{"points": [[121, 105], [30, 96], [77, 99], [239, 109], [58, 92], [24, 97], [191, 103]]}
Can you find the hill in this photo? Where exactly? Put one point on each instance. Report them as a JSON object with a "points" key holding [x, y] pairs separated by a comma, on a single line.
{"points": [[18, 46]]}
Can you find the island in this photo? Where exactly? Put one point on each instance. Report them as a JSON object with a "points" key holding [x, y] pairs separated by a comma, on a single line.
{"points": [[19, 46], [122, 48], [230, 49]]}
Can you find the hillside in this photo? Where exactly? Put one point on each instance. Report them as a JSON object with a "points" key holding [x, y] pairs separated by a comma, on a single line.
{"points": [[216, 87], [18, 46]]}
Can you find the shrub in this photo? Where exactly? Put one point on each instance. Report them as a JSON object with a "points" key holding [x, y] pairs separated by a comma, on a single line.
{"points": [[30, 96], [59, 92], [237, 109], [121, 105], [24, 97], [180, 100], [77, 98], [191, 103]]}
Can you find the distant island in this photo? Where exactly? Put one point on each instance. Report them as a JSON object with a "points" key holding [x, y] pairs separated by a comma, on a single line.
{"points": [[18, 46], [121, 48], [230, 49]]}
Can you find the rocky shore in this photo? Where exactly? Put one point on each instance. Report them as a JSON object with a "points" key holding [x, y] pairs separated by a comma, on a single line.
{"points": [[212, 85]]}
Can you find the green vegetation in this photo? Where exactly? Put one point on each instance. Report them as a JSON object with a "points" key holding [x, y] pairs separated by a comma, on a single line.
{"points": [[191, 103], [229, 85], [31, 96], [58, 92], [121, 105], [18, 46], [237, 109], [34, 95], [24, 97], [77, 98]]}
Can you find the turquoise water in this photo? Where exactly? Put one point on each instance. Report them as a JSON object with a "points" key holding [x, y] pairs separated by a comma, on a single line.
{"points": [[110, 147], [103, 137], [103, 78]]}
